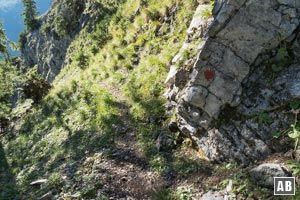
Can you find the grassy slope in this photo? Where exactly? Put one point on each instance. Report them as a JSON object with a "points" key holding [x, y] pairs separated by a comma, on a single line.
{"points": [[80, 115]]}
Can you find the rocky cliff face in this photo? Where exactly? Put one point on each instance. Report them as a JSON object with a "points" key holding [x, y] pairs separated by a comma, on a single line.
{"points": [[245, 71], [47, 46]]}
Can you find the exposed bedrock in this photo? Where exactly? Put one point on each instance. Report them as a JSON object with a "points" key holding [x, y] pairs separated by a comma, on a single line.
{"points": [[217, 101]]}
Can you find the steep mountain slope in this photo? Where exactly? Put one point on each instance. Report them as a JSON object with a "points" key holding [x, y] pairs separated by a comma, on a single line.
{"points": [[47, 46], [95, 134], [103, 130]]}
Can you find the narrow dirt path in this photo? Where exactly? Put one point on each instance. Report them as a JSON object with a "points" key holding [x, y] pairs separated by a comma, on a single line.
{"points": [[126, 171]]}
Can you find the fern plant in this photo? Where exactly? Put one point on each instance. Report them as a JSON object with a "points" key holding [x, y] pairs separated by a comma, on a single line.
{"points": [[294, 166], [294, 133]]}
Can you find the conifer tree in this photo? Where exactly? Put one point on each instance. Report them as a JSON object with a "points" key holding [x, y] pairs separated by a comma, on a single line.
{"points": [[30, 15], [3, 41], [8, 78]]}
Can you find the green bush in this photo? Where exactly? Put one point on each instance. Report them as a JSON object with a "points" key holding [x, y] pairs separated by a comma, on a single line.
{"points": [[60, 26], [35, 87], [22, 40], [9, 81], [94, 49], [82, 60]]}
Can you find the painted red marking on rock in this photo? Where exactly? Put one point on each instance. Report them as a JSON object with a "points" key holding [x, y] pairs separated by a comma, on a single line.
{"points": [[209, 75]]}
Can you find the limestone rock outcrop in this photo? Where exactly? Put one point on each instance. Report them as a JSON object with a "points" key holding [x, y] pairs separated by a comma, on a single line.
{"points": [[219, 101]]}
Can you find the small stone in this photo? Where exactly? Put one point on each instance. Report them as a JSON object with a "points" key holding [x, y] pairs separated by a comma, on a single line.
{"points": [[164, 142], [47, 196], [264, 174], [120, 129], [211, 195], [171, 76], [39, 182]]}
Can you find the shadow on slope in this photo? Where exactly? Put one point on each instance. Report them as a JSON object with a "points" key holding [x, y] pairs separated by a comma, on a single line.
{"points": [[8, 189]]}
